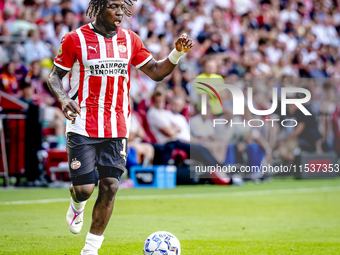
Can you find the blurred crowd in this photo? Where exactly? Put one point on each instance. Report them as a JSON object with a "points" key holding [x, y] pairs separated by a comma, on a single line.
{"points": [[234, 39]]}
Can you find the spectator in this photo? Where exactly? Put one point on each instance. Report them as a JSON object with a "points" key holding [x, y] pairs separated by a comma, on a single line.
{"points": [[48, 9], [35, 48], [288, 14], [23, 24], [160, 125], [302, 138], [166, 134], [210, 71], [211, 77], [202, 126], [59, 34], [52, 27], [8, 81], [160, 17], [176, 107], [144, 151], [33, 134], [27, 92], [41, 95], [79, 6], [149, 27], [69, 19], [52, 117], [325, 32]]}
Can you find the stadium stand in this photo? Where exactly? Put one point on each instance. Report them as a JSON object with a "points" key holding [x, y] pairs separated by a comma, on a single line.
{"points": [[282, 41]]}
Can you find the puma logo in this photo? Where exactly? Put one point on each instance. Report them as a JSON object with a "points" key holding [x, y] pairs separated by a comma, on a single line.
{"points": [[91, 48]]}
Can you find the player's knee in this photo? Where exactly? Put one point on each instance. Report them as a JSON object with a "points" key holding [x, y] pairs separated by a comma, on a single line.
{"points": [[109, 187], [83, 192]]}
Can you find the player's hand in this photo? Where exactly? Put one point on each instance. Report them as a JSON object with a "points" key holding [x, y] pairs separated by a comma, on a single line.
{"points": [[68, 105], [184, 43]]}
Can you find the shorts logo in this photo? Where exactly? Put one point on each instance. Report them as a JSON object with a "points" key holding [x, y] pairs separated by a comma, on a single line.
{"points": [[75, 164], [122, 48]]}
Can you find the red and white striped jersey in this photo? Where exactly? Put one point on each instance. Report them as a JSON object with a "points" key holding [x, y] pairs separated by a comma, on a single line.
{"points": [[100, 78]]}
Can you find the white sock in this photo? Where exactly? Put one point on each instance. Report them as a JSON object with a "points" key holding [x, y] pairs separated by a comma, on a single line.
{"points": [[78, 206], [93, 242]]}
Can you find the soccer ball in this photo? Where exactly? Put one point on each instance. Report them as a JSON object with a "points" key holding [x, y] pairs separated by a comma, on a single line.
{"points": [[162, 243]]}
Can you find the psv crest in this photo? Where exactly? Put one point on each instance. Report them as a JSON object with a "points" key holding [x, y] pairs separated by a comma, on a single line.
{"points": [[75, 164], [122, 48]]}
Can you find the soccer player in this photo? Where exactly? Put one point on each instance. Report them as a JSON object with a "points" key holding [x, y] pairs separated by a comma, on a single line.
{"points": [[99, 56]]}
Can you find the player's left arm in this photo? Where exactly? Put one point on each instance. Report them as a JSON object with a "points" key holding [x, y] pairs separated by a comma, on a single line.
{"points": [[158, 70]]}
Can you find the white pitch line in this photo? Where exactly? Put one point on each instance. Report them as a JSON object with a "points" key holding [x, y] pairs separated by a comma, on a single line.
{"points": [[186, 196]]}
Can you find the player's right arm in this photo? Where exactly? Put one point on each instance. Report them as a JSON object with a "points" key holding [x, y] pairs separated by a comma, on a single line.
{"points": [[56, 86], [63, 63]]}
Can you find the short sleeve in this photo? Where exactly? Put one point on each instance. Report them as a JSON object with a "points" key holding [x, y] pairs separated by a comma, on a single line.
{"points": [[141, 55], [66, 54]]}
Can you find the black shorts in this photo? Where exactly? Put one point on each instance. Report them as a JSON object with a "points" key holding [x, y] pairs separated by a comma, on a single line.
{"points": [[87, 153]]}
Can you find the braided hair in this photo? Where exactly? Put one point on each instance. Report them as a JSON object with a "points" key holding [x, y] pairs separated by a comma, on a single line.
{"points": [[96, 6]]}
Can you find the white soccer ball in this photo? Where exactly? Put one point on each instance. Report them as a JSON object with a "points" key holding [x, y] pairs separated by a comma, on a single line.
{"points": [[162, 243]]}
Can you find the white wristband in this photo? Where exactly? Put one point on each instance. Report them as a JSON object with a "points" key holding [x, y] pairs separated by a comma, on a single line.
{"points": [[175, 56]]}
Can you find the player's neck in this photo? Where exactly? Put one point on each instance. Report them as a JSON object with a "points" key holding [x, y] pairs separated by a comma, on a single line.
{"points": [[102, 28]]}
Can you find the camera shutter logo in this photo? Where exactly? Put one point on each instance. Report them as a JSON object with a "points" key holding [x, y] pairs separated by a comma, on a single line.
{"points": [[204, 97]]}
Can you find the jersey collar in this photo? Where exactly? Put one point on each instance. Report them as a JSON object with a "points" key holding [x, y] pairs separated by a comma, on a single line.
{"points": [[102, 34]]}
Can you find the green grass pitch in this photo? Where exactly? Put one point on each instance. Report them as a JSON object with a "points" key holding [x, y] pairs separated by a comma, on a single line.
{"points": [[285, 216]]}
